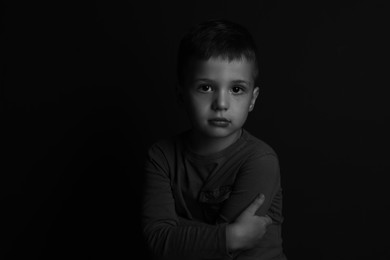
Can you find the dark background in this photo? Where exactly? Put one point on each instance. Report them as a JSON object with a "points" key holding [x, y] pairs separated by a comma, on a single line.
{"points": [[87, 87]]}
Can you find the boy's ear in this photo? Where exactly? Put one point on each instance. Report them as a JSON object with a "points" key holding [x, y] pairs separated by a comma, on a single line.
{"points": [[254, 97]]}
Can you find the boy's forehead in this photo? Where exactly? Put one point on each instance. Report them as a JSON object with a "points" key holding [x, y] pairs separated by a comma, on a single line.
{"points": [[222, 68]]}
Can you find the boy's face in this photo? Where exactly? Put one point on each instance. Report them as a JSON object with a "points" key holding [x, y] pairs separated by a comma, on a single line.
{"points": [[218, 95]]}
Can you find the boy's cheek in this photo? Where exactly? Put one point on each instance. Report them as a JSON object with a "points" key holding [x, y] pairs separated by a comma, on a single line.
{"points": [[198, 101]]}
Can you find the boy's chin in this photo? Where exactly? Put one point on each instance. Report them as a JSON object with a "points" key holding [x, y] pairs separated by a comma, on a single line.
{"points": [[218, 133]]}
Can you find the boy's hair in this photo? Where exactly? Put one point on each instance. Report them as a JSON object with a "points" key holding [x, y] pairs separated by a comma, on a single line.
{"points": [[214, 39]]}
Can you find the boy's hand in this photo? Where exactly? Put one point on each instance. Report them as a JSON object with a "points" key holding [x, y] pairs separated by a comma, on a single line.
{"points": [[248, 228]]}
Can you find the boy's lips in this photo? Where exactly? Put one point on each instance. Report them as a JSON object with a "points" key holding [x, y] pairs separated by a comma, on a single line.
{"points": [[219, 121]]}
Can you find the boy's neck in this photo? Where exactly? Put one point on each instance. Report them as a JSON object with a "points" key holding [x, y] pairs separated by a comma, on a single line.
{"points": [[204, 145]]}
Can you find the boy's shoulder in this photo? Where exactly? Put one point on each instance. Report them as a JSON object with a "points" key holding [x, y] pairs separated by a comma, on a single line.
{"points": [[168, 144], [256, 146]]}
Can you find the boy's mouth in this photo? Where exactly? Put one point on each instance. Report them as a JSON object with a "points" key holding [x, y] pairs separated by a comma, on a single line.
{"points": [[219, 121]]}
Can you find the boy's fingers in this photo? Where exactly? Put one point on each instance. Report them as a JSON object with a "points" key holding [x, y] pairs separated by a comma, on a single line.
{"points": [[256, 204]]}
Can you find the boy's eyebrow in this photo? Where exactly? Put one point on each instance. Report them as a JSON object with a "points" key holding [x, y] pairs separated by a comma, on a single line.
{"points": [[238, 81], [203, 79]]}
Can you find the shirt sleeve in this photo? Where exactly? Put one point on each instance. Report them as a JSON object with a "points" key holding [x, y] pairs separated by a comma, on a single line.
{"points": [[259, 174], [165, 234]]}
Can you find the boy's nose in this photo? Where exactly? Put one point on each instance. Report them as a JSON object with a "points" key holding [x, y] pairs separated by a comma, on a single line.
{"points": [[221, 101]]}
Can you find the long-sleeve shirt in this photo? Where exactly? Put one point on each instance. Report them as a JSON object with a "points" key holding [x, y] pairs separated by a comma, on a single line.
{"points": [[189, 199]]}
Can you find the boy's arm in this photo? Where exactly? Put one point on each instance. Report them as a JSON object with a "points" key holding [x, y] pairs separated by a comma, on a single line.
{"points": [[168, 235], [161, 225], [260, 174]]}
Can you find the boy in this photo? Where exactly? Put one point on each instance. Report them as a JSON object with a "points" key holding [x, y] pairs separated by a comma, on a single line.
{"points": [[199, 183]]}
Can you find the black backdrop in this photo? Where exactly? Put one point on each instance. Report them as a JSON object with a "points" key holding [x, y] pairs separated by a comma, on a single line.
{"points": [[87, 87]]}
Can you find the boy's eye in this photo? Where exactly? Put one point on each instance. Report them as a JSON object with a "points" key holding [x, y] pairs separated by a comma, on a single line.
{"points": [[237, 90], [205, 88]]}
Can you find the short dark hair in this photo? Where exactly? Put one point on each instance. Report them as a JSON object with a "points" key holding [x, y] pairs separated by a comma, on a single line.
{"points": [[216, 38]]}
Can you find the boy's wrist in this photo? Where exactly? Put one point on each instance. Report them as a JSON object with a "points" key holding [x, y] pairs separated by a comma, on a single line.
{"points": [[232, 240]]}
